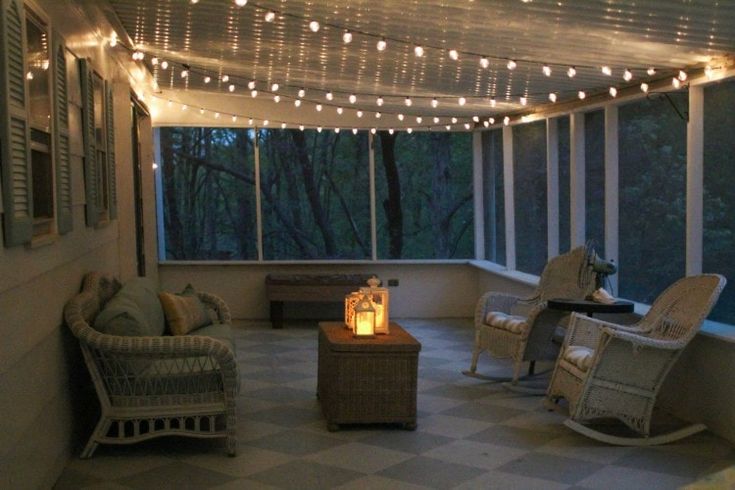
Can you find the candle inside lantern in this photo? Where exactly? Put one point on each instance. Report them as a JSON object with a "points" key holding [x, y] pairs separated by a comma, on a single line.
{"points": [[364, 317]]}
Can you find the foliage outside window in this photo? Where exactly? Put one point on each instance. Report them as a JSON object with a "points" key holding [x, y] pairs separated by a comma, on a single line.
{"points": [[424, 195], [594, 156], [208, 180], [652, 166], [39, 90], [315, 190], [719, 193], [494, 195], [565, 215], [529, 174]]}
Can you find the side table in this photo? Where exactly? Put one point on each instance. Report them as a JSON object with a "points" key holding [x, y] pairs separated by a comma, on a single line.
{"points": [[590, 307], [365, 381]]}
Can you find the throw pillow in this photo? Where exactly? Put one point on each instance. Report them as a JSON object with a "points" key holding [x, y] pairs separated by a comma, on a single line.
{"points": [[184, 312]]}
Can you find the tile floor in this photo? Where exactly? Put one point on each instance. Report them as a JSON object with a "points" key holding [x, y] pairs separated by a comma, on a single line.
{"points": [[471, 434]]}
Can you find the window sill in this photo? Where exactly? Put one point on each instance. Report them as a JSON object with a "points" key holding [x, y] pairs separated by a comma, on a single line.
{"points": [[312, 262], [522, 277]]}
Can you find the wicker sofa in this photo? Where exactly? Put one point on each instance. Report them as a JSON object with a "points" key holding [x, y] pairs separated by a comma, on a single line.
{"points": [[150, 384]]}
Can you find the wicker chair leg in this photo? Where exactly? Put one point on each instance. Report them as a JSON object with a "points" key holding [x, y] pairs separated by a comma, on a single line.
{"points": [[99, 432]]}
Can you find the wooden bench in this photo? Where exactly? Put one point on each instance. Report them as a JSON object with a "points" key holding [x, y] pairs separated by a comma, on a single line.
{"points": [[325, 288]]}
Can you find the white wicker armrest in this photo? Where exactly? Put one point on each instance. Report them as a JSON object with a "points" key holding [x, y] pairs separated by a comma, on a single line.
{"points": [[493, 301], [642, 340], [585, 331], [217, 304]]}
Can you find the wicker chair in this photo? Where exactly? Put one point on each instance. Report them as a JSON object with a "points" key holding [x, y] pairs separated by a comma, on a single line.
{"points": [[607, 370], [154, 386], [529, 338]]}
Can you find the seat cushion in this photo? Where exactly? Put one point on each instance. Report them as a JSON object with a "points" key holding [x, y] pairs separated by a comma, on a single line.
{"points": [[511, 323], [579, 356], [133, 311], [184, 312]]}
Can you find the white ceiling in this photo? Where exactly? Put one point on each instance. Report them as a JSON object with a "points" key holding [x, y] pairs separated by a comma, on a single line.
{"points": [[217, 37]]}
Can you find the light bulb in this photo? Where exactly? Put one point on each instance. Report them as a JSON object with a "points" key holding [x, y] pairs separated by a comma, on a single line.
{"points": [[318, 129], [436, 120], [418, 51], [373, 130], [486, 124], [493, 102], [225, 78], [319, 108], [184, 73], [234, 118], [581, 95], [409, 130], [283, 125], [302, 92], [352, 98], [276, 98], [381, 45], [336, 130], [201, 110], [314, 26], [454, 54], [484, 62], [270, 16], [231, 88], [682, 75], [265, 122], [651, 71], [347, 37], [467, 125], [354, 130], [627, 75], [378, 115], [207, 79], [476, 119], [253, 93], [462, 101], [251, 84], [340, 110], [113, 40], [571, 72], [250, 121], [606, 70], [154, 61], [329, 95], [552, 97], [644, 87], [676, 82], [216, 115], [274, 87], [400, 117], [408, 102], [613, 92], [524, 101], [448, 127], [506, 120], [301, 127], [709, 72], [390, 131], [379, 101], [491, 120], [184, 107], [454, 120], [419, 119], [297, 102], [547, 70], [164, 65], [434, 102], [240, 3], [358, 113], [512, 64]]}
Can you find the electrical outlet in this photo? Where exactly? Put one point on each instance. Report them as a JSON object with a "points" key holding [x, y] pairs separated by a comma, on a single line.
{"points": [[392, 283]]}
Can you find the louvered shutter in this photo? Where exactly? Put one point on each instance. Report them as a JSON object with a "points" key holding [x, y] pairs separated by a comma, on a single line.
{"points": [[90, 146], [61, 138], [112, 181], [15, 138]]}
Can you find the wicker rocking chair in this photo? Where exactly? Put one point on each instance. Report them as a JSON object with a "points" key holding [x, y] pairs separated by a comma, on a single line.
{"points": [[505, 335], [607, 370]]}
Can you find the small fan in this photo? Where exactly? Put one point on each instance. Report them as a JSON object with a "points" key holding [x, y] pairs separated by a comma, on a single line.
{"points": [[594, 264]]}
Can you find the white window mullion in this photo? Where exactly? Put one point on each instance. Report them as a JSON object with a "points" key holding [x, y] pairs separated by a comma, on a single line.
{"points": [[612, 215], [577, 179], [695, 181], [510, 224], [373, 214], [158, 182], [478, 195], [258, 201], [552, 186]]}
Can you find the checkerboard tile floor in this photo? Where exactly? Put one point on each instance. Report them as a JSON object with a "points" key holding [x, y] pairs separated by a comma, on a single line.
{"points": [[471, 434]]}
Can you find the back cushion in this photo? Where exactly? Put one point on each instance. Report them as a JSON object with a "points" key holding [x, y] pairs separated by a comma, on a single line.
{"points": [[133, 311]]}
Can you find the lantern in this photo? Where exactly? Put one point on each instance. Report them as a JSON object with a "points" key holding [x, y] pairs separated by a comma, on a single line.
{"points": [[351, 301], [364, 317], [379, 297]]}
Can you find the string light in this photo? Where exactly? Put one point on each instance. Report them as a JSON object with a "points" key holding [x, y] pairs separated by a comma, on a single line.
{"points": [[381, 45], [207, 79], [581, 95], [358, 113], [454, 120], [493, 102], [613, 92], [276, 98], [546, 70], [434, 102], [378, 115], [436, 120], [418, 51], [347, 37], [239, 3], [486, 124], [491, 120], [250, 121], [606, 71], [302, 93], [651, 71], [627, 75], [448, 127], [225, 78], [676, 82], [476, 119], [154, 61], [409, 130], [552, 97], [379, 101], [340, 110], [512, 64], [201, 110], [234, 118], [524, 101], [216, 115], [184, 73], [297, 102], [682, 75], [253, 93], [506, 120], [419, 119], [231, 88], [408, 102], [484, 62], [319, 108], [352, 98], [571, 72], [314, 26], [329, 96], [644, 87], [400, 117], [454, 54], [336, 130], [164, 65], [301, 127], [270, 16], [274, 87], [265, 122], [390, 131], [354, 130], [373, 130], [467, 125], [251, 84], [462, 101], [283, 125]]}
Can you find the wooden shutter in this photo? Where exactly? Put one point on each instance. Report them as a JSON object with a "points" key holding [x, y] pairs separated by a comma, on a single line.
{"points": [[15, 159], [90, 146], [112, 181], [61, 137]]}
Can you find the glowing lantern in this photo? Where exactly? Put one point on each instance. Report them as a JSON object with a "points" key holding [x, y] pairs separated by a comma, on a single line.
{"points": [[364, 317], [379, 297]]}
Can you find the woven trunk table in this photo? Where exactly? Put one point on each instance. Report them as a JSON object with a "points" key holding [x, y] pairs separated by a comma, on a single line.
{"points": [[366, 381]]}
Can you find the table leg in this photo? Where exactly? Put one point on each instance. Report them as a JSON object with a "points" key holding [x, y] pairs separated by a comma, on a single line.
{"points": [[277, 314]]}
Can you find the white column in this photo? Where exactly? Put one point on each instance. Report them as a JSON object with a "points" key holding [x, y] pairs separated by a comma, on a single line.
{"points": [[695, 180], [611, 189], [373, 215], [577, 178], [478, 196], [258, 204], [510, 224], [552, 186]]}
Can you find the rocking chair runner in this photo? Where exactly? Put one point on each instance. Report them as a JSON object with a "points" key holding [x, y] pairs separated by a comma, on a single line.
{"points": [[607, 370], [505, 335]]}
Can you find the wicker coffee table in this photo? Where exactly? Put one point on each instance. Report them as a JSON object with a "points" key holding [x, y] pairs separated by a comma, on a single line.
{"points": [[366, 381]]}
